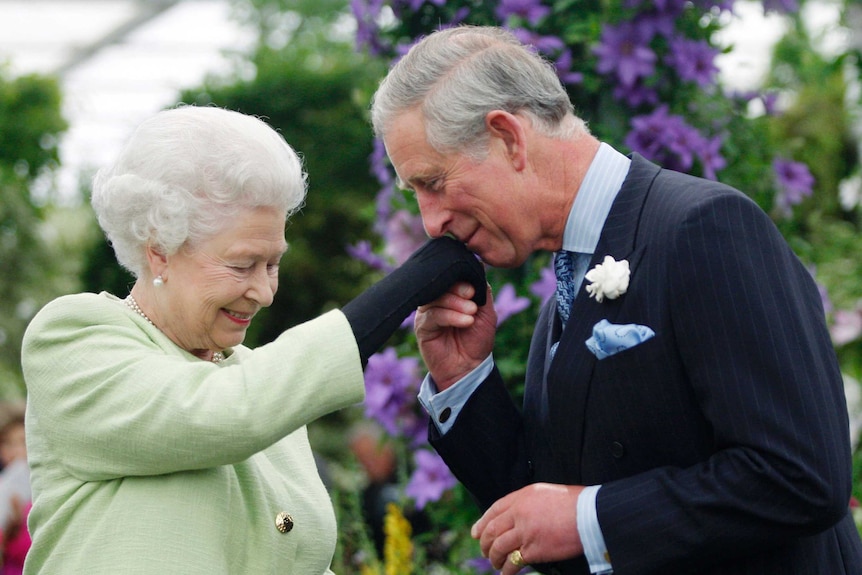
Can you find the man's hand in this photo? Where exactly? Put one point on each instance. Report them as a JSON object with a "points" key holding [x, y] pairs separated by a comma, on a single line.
{"points": [[426, 275], [540, 520], [454, 334]]}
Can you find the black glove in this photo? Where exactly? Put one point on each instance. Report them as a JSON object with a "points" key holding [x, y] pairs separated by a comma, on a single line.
{"points": [[376, 313]]}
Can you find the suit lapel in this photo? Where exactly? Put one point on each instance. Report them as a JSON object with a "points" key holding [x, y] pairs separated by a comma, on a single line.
{"points": [[570, 372]]}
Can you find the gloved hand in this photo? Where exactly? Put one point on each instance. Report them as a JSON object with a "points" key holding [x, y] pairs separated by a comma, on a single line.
{"points": [[377, 312]]}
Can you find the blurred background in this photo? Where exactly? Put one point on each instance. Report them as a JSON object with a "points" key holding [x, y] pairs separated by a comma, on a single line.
{"points": [[121, 60], [772, 108], [96, 68]]}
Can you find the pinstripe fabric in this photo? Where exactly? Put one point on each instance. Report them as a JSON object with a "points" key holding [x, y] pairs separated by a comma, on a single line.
{"points": [[721, 444]]}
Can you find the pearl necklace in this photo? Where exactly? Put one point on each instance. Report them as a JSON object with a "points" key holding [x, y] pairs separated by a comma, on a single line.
{"points": [[133, 305]]}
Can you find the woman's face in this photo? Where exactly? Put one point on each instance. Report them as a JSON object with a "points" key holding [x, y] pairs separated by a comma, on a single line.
{"points": [[213, 290]]}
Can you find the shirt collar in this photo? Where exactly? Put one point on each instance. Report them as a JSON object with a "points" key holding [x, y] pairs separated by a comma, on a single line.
{"points": [[592, 204]]}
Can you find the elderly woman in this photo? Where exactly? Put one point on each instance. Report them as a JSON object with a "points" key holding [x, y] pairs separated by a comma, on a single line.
{"points": [[159, 443]]}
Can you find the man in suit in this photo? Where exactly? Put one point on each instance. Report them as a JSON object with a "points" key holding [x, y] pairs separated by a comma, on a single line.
{"points": [[688, 416]]}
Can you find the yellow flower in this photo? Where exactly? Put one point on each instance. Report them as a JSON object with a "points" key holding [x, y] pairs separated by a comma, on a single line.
{"points": [[398, 548]]}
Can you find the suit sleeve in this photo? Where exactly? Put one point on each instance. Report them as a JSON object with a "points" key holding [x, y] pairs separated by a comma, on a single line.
{"points": [[484, 449], [756, 352]]}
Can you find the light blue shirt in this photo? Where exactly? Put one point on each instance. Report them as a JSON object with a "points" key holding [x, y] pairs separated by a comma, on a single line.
{"points": [[602, 182]]}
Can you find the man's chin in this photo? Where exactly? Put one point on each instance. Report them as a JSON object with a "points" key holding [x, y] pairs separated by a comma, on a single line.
{"points": [[506, 263]]}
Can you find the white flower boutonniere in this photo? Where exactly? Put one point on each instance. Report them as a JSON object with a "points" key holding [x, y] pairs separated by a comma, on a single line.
{"points": [[609, 279]]}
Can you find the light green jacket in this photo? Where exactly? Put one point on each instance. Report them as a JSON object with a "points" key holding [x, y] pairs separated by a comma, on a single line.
{"points": [[148, 460]]}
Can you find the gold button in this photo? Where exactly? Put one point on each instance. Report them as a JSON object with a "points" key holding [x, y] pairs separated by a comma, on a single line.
{"points": [[283, 522]]}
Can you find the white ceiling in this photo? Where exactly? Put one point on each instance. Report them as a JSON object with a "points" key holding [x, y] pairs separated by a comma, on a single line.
{"points": [[118, 62], [122, 60]]}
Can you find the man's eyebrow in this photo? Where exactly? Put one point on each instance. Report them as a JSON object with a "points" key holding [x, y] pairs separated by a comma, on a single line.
{"points": [[401, 184]]}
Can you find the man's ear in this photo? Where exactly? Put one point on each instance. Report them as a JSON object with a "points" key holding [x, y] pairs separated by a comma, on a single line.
{"points": [[510, 131]]}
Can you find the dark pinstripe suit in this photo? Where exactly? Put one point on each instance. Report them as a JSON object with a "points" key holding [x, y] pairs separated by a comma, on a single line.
{"points": [[721, 444]]}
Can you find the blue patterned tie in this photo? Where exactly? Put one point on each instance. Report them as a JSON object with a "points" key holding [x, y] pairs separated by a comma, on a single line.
{"points": [[564, 268], [569, 268]]}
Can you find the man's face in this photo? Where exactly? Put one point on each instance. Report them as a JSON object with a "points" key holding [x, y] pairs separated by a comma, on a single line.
{"points": [[480, 203]]}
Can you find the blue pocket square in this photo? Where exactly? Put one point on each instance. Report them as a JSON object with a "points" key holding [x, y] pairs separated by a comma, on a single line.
{"points": [[609, 338]]}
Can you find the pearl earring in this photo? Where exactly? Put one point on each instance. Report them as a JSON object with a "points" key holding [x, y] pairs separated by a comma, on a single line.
{"points": [[158, 281]]}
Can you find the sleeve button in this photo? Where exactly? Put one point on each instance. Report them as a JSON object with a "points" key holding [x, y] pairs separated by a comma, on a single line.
{"points": [[445, 415]]}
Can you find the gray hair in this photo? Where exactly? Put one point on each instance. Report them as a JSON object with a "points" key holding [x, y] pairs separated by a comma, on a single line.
{"points": [[184, 172], [460, 74]]}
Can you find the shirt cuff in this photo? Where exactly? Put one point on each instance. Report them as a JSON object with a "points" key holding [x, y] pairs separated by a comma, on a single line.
{"points": [[444, 406], [590, 531]]}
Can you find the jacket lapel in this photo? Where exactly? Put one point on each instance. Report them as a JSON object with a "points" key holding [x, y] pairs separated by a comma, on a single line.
{"points": [[570, 372]]}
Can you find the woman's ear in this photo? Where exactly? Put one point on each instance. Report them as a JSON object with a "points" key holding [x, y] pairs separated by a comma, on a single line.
{"points": [[157, 261], [510, 131]]}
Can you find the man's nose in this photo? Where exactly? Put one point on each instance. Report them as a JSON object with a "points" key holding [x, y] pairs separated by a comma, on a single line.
{"points": [[434, 217]]}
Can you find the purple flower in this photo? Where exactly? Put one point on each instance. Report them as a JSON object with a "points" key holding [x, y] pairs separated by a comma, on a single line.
{"points": [[662, 23], [508, 303], [413, 5], [530, 10], [794, 180], [366, 13], [415, 430], [408, 321], [380, 168], [564, 68], [480, 565], [546, 284], [624, 51], [554, 48], [671, 6], [711, 158], [666, 139], [459, 16], [430, 479], [693, 60], [363, 252], [548, 45], [649, 132], [636, 96], [404, 235], [847, 326], [770, 103], [390, 390]]}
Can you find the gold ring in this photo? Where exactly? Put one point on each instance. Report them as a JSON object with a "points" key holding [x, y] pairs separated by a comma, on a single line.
{"points": [[516, 559]]}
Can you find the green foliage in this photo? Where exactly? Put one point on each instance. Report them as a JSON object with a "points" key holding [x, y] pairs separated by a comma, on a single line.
{"points": [[30, 125]]}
